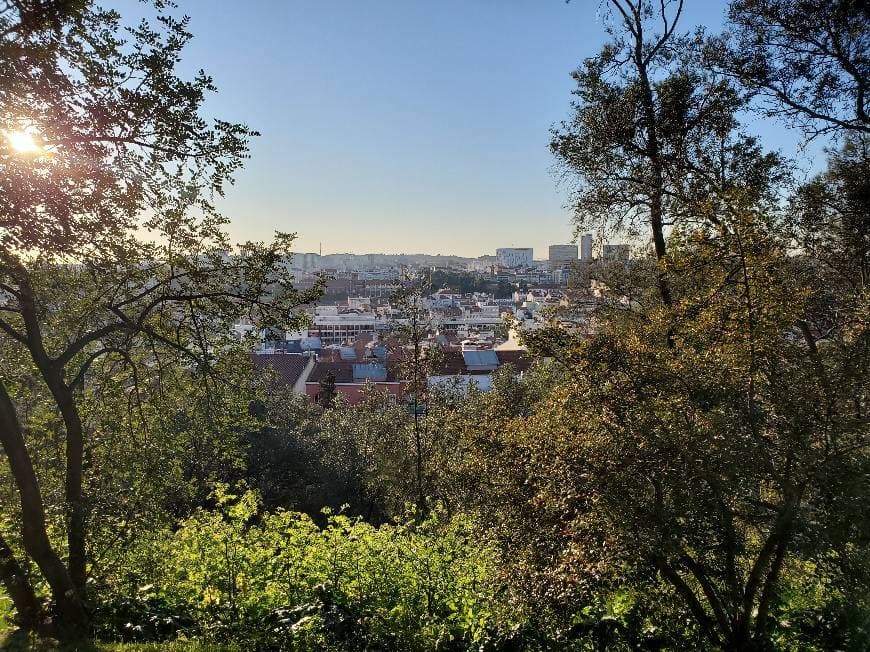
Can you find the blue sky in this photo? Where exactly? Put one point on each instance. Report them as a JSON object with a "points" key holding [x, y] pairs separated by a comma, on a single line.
{"points": [[400, 125]]}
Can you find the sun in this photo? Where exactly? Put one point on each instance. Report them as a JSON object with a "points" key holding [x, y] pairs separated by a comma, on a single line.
{"points": [[23, 141]]}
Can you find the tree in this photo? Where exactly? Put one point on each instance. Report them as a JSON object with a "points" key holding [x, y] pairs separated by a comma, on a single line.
{"points": [[808, 61], [832, 217], [366, 448], [709, 447], [503, 290], [418, 359], [326, 395], [110, 242], [458, 414], [711, 470], [653, 132], [463, 282]]}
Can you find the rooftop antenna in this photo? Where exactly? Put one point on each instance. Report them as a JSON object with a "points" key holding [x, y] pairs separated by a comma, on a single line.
{"points": [[319, 248]]}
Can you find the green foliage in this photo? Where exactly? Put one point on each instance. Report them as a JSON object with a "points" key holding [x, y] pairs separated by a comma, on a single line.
{"points": [[267, 579], [357, 458], [831, 217], [804, 60], [653, 131], [710, 468], [693, 472], [115, 266], [371, 447], [817, 612], [463, 282], [18, 643]]}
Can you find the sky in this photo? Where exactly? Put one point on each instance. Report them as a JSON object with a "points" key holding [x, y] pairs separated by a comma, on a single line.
{"points": [[400, 126]]}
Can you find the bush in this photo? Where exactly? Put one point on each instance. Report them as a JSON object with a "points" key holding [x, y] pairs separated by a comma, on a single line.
{"points": [[267, 580], [144, 615]]}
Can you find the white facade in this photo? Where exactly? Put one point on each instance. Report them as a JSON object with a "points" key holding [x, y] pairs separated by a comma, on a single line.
{"points": [[514, 257], [562, 255], [586, 247], [345, 327]]}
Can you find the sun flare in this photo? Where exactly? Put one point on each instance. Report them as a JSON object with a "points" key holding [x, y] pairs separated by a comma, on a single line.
{"points": [[23, 141]]}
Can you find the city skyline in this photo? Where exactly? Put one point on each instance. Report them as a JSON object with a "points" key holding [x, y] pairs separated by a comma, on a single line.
{"points": [[403, 127]]}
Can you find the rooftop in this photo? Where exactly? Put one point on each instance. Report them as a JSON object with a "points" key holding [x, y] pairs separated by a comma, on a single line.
{"points": [[350, 372], [288, 367]]}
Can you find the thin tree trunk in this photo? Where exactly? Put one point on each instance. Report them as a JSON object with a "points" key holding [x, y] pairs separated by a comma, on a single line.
{"points": [[73, 619], [75, 507], [53, 375], [774, 546], [653, 151], [29, 614], [704, 621], [762, 621], [656, 208]]}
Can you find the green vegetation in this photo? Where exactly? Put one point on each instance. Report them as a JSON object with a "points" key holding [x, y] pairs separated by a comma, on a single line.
{"points": [[691, 473], [463, 282], [13, 644], [235, 573]]}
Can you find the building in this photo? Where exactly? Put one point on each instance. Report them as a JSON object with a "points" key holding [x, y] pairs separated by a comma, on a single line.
{"points": [[562, 256], [307, 262], [616, 252], [460, 370], [353, 378], [291, 370], [515, 257], [339, 324], [586, 247]]}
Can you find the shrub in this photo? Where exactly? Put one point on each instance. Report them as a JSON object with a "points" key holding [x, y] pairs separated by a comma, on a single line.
{"points": [[267, 580]]}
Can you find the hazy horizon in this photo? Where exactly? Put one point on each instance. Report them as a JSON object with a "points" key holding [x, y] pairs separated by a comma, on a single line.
{"points": [[405, 127]]}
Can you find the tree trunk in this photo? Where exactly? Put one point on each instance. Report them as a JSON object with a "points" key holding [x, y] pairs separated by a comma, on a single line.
{"points": [[657, 190], [73, 620], [75, 507], [53, 375], [653, 151], [769, 560], [29, 613], [743, 642]]}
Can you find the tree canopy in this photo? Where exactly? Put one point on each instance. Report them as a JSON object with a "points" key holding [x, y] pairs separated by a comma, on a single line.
{"points": [[111, 241]]}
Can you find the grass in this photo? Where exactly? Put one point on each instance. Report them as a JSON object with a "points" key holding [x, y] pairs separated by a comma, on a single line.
{"points": [[13, 642]]}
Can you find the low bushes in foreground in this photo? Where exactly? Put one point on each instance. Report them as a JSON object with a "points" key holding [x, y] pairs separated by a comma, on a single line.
{"points": [[277, 580]]}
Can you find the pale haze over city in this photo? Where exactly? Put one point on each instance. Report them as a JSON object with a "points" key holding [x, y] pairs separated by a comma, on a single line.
{"points": [[404, 127]]}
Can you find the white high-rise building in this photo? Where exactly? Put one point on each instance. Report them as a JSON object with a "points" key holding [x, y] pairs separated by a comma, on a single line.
{"points": [[586, 247], [562, 256], [515, 257]]}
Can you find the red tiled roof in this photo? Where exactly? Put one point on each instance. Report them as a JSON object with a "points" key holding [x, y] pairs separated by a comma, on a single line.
{"points": [[519, 359], [454, 364], [288, 366], [342, 372]]}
